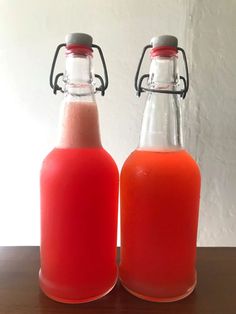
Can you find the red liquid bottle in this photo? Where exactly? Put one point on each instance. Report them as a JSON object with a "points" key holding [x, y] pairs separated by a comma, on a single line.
{"points": [[79, 192], [160, 189]]}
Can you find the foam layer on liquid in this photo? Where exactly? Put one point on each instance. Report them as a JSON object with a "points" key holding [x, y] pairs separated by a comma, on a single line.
{"points": [[79, 126]]}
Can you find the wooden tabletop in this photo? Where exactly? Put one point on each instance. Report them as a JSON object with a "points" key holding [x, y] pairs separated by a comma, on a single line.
{"points": [[20, 293]]}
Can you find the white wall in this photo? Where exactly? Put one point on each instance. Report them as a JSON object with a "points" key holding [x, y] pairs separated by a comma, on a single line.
{"points": [[29, 33], [211, 115]]}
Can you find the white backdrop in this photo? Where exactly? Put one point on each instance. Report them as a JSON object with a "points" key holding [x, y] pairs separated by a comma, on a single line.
{"points": [[29, 34]]}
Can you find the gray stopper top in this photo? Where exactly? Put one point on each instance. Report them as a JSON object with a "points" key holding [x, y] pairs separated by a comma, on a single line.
{"points": [[79, 39], [164, 40]]}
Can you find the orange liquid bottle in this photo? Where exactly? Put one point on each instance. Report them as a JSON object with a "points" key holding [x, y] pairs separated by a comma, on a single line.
{"points": [[79, 193], [160, 189]]}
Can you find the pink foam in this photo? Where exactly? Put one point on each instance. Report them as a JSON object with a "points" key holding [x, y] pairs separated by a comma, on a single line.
{"points": [[79, 125]]}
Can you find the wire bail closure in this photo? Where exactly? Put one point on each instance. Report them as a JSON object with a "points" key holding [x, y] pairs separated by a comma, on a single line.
{"points": [[138, 81], [54, 81]]}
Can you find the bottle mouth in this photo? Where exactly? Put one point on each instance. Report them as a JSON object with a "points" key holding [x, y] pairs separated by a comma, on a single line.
{"points": [[79, 50], [164, 51]]}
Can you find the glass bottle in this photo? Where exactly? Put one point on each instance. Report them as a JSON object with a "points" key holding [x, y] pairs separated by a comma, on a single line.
{"points": [[79, 193], [160, 191]]}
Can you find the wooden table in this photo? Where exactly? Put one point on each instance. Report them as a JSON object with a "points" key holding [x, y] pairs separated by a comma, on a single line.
{"points": [[20, 293]]}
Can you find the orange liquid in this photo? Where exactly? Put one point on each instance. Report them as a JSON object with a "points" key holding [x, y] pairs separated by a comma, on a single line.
{"points": [[159, 218], [79, 192]]}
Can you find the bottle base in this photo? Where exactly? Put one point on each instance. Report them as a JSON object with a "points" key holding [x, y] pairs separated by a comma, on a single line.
{"points": [[77, 301], [161, 300]]}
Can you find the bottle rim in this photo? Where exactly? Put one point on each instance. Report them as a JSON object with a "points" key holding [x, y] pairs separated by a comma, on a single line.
{"points": [[79, 50], [164, 51]]}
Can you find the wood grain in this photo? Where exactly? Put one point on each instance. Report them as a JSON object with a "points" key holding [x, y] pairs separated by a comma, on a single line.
{"points": [[20, 293]]}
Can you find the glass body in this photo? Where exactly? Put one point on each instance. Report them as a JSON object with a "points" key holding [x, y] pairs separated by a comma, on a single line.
{"points": [[160, 188], [79, 193]]}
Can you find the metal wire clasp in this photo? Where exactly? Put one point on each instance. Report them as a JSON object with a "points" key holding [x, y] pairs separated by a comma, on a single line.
{"points": [[138, 81], [54, 81]]}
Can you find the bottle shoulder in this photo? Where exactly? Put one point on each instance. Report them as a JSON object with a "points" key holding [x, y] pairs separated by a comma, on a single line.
{"points": [[165, 162], [80, 159]]}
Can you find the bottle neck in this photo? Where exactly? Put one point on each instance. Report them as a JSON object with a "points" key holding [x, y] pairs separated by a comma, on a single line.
{"points": [[161, 127], [78, 78], [79, 124]]}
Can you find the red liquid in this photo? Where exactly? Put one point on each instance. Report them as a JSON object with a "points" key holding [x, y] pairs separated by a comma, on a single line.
{"points": [[159, 218], [79, 191]]}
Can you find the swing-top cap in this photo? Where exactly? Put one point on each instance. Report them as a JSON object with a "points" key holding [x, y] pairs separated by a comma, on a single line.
{"points": [[164, 41], [80, 39]]}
